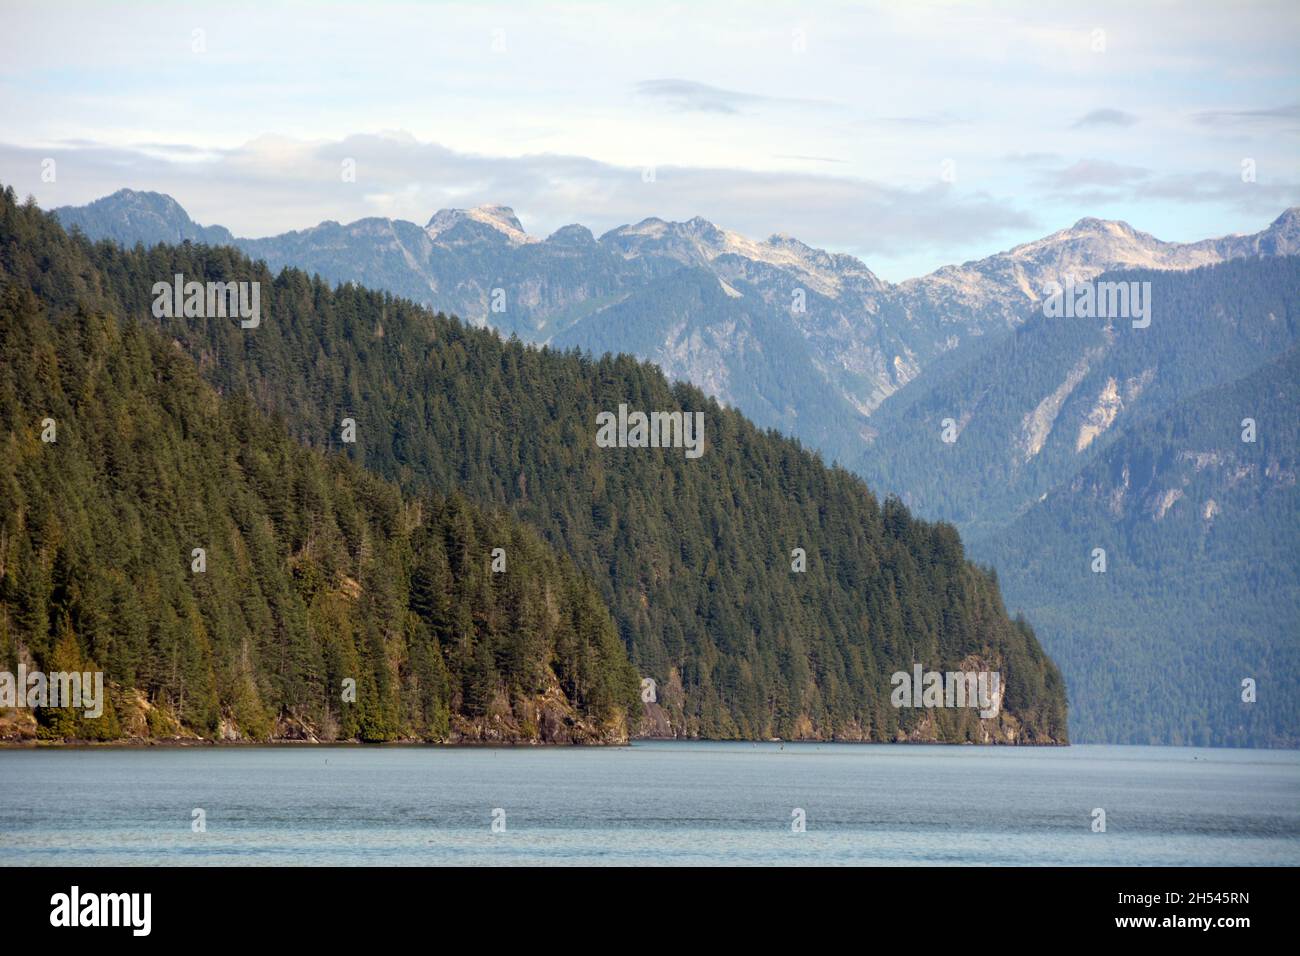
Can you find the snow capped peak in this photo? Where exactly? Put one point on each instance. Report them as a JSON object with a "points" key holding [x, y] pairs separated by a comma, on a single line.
{"points": [[500, 218], [1088, 248], [1088, 224], [785, 239], [699, 224]]}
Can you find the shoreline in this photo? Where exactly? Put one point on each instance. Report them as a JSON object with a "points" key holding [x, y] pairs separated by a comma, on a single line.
{"points": [[183, 743]]}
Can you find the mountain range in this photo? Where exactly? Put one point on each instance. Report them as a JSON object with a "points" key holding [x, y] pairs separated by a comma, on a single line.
{"points": [[868, 372], [800, 339]]}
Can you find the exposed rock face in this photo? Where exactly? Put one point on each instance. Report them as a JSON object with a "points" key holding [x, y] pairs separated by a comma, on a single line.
{"points": [[547, 719], [1102, 415], [1037, 425], [655, 723], [497, 219], [17, 725]]}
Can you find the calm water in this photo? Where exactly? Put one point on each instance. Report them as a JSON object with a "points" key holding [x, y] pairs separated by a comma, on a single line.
{"points": [[652, 803]]}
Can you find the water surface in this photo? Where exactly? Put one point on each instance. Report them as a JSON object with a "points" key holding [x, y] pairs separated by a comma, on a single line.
{"points": [[650, 804]]}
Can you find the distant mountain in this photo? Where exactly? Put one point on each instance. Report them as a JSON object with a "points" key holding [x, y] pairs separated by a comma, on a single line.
{"points": [[129, 217], [1036, 404], [1201, 588], [698, 328], [1071, 434], [834, 303], [1004, 283], [857, 338]]}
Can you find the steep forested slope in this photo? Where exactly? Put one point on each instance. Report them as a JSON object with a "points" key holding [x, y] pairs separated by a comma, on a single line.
{"points": [[693, 555], [312, 571], [1032, 408], [1077, 433], [1202, 582]]}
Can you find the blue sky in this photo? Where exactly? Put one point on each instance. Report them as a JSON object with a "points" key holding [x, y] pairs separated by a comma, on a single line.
{"points": [[909, 134]]}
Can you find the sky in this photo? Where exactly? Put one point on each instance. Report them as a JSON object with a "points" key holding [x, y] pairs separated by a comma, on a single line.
{"points": [[909, 134]]}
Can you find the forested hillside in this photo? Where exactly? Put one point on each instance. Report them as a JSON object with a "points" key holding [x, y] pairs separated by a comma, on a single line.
{"points": [[118, 462], [694, 556], [1033, 407], [1078, 433], [1200, 589]]}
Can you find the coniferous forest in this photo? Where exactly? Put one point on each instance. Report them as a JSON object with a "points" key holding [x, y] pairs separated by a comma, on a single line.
{"points": [[372, 560]]}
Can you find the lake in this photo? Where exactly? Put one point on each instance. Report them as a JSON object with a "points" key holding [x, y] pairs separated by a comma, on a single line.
{"points": [[652, 803]]}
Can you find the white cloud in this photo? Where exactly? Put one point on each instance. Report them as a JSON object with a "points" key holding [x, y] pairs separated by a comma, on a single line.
{"points": [[750, 99]]}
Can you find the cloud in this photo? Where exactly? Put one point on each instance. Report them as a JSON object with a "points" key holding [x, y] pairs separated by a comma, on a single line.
{"points": [[1094, 182], [735, 90], [1278, 115], [687, 96], [1031, 158], [811, 159], [1093, 172], [1105, 117], [930, 121], [274, 185], [1221, 189]]}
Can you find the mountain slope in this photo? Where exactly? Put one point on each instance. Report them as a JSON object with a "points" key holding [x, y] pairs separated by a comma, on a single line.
{"points": [[692, 554], [1035, 405], [1055, 455], [734, 347], [1005, 283], [313, 572], [129, 216], [1202, 580]]}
